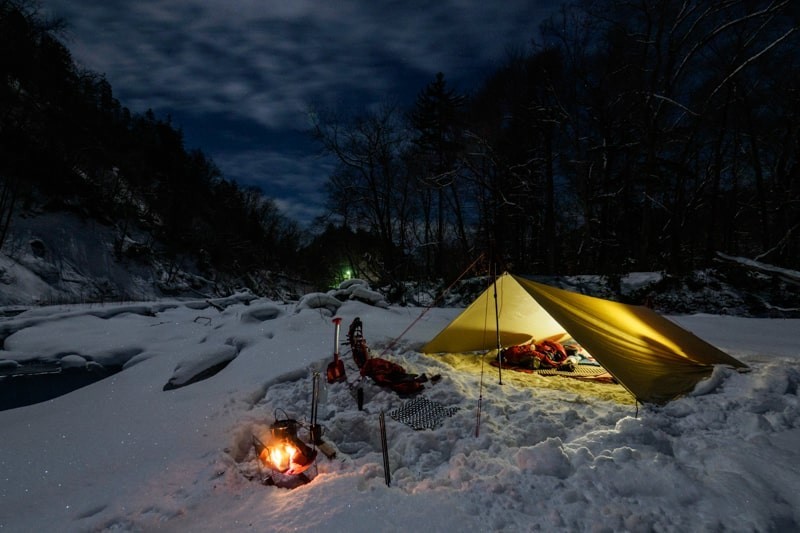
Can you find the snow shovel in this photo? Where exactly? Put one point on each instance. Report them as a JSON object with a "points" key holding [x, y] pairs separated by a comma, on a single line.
{"points": [[336, 368]]}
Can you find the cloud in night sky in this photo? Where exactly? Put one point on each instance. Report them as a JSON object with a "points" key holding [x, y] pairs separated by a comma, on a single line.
{"points": [[239, 76]]}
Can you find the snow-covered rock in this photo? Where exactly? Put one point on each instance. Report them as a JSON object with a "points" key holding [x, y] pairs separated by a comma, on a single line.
{"points": [[261, 313], [201, 365], [359, 289], [73, 361], [366, 295], [319, 300]]}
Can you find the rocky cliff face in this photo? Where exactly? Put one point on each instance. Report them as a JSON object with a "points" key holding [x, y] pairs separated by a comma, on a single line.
{"points": [[54, 257]]}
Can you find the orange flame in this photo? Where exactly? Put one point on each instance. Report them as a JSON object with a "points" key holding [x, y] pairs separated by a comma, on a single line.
{"points": [[280, 457]]}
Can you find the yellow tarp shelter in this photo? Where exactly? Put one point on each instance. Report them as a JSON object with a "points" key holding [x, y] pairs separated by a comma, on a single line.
{"points": [[652, 357]]}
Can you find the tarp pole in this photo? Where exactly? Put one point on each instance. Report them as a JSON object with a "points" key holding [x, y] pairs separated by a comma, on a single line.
{"points": [[478, 421], [497, 327]]}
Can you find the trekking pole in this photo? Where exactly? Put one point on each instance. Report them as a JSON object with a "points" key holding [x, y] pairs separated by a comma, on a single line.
{"points": [[386, 474]]}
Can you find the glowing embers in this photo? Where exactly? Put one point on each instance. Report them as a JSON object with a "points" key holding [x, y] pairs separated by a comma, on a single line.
{"points": [[284, 454]]}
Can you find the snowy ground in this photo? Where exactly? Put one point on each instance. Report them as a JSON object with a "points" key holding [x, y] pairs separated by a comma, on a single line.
{"points": [[123, 454]]}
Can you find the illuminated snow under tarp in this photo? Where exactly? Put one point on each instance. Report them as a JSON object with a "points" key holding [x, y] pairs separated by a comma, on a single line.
{"points": [[652, 357]]}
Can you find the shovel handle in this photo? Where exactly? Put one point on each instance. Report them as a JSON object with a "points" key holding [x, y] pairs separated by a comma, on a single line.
{"points": [[336, 321]]}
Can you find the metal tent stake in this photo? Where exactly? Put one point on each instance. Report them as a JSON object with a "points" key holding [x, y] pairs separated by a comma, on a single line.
{"points": [[386, 474], [315, 429]]}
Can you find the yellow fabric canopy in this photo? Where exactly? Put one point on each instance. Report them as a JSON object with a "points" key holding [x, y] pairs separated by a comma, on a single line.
{"points": [[652, 357]]}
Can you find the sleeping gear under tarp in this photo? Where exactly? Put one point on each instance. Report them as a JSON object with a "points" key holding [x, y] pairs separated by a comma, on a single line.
{"points": [[652, 357]]}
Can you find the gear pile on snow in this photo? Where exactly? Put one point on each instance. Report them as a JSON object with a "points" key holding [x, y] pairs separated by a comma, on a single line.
{"points": [[382, 371], [543, 354]]}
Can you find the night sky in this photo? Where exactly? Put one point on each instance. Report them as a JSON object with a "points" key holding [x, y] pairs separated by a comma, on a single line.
{"points": [[239, 77]]}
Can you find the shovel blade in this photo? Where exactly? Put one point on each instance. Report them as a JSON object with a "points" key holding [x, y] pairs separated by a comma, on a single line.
{"points": [[335, 372]]}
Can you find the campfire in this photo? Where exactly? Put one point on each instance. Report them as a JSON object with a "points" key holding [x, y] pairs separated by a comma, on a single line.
{"points": [[284, 454]]}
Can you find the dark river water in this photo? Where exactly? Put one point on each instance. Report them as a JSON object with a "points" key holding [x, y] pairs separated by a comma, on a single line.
{"points": [[27, 389]]}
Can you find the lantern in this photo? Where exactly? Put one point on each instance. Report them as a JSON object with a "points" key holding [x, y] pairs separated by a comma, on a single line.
{"points": [[285, 453]]}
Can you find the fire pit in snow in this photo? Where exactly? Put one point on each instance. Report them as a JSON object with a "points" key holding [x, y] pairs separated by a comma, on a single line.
{"points": [[286, 457]]}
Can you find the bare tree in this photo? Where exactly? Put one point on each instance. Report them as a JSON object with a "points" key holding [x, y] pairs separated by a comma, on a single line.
{"points": [[371, 188]]}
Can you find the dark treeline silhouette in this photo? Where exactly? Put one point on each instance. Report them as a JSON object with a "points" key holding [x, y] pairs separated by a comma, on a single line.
{"points": [[67, 143], [630, 136]]}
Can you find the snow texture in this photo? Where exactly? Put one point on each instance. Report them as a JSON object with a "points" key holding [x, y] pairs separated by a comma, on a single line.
{"points": [[531, 454]]}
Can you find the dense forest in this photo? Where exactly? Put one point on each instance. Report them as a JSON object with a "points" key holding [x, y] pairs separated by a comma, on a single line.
{"points": [[635, 135]]}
